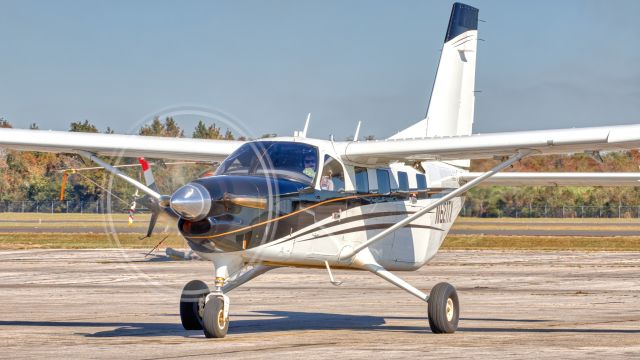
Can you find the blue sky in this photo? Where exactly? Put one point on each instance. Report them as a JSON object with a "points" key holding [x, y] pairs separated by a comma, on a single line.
{"points": [[265, 64]]}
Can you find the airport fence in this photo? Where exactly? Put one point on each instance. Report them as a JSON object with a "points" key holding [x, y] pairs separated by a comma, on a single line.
{"points": [[607, 211], [57, 207], [99, 207]]}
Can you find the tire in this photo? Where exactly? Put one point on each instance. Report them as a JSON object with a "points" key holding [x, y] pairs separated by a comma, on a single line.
{"points": [[443, 309], [192, 303], [214, 323]]}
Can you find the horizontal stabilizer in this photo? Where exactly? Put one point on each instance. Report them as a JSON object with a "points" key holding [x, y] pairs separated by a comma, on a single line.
{"points": [[557, 179]]}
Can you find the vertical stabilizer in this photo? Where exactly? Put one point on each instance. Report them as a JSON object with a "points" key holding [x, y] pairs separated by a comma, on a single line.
{"points": [[451, 106]]}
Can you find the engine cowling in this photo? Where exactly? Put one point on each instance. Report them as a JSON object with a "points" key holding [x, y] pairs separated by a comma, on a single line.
{"points": [[220, 213]]}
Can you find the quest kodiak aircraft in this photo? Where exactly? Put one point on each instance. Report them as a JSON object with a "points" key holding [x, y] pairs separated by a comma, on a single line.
{"points": [[378, 206]]}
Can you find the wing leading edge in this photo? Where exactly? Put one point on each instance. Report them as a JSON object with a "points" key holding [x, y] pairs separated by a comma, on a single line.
{"points": [[117, 145], [486, 146]]}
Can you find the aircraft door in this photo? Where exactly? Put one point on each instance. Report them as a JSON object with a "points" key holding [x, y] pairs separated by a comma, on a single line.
{"points": [[332, 177]]}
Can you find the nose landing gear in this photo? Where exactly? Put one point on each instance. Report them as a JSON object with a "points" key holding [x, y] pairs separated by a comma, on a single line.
{"points": [[216, 316], [201, 309]]}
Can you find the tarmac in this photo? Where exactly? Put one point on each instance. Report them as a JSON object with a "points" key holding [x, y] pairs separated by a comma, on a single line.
{"points": [[111, 304]]}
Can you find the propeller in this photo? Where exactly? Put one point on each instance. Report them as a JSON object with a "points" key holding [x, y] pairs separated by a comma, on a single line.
{"points": [[148, 201]]}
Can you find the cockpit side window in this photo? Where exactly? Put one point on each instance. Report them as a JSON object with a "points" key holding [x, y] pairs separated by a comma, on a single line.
{"points": [[362, 180], [332, 178], [384, 184]]}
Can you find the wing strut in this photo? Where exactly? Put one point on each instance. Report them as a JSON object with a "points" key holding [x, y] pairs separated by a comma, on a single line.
{"points": [[455, 193], [162, 199]]}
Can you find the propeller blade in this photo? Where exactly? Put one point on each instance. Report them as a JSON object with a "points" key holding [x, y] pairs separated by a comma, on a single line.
{"points": [[152, 223], [148, 174]]}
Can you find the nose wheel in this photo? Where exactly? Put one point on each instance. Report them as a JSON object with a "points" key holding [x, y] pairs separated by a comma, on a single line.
{"points": [[443, 309], [216, 319]]}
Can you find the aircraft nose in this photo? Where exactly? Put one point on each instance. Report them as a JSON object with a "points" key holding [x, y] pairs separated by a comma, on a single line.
{"points": [[192, 202]]}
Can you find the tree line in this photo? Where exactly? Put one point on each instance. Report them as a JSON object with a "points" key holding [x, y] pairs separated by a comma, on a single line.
{"points": [[491, 201]]}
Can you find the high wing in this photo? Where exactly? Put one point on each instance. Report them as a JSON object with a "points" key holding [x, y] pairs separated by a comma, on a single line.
{"points": [[555, 179], [117, 145], [486, 146]]}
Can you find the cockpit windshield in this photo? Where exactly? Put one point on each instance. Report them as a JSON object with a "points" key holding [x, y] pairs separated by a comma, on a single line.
{"points": [[295, 161]]}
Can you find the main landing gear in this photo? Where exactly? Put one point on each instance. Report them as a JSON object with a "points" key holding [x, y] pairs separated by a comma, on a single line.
{"points": [[443, 307]]}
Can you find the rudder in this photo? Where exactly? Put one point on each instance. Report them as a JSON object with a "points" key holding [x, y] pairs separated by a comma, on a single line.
{"points": [[451, 106]]}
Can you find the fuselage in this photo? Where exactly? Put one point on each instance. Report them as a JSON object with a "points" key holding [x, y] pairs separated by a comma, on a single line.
{"points": [[292, 201]]}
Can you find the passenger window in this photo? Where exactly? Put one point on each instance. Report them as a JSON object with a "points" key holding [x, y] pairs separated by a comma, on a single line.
{"points": [[403, 181], [422, 181], [384, 185], [332, 178], [362, 180]]}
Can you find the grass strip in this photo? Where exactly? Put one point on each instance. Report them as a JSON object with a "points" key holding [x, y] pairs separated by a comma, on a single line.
{"points": [[23, 241], [577, 243], [503, 220]]}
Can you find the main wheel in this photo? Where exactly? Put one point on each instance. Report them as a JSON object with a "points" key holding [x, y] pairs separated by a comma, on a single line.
{"points": [[443, 309], [214, 323], [192, 304]]}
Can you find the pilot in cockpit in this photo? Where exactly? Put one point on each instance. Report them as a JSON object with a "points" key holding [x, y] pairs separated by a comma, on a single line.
{"points": [[310, 165]]}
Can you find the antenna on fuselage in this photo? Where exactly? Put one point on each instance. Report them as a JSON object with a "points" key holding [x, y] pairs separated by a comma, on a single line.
{"points": [[355, 136], [303, 133], [306, 125]]}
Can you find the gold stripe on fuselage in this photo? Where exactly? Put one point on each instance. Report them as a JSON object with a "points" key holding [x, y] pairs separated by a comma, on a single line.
{"points": [[282, 217]]}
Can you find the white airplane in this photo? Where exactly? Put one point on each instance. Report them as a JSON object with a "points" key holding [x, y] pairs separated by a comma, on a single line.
{"points": [[378, 206]]}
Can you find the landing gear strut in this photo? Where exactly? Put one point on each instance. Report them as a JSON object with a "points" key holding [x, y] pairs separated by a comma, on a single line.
{"points": [[215, 320], [443, 307]]}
